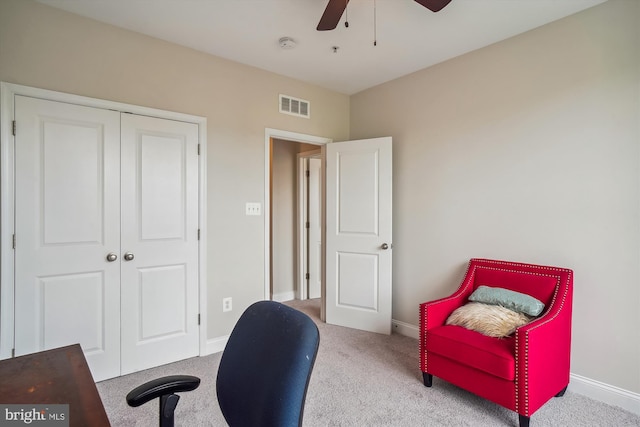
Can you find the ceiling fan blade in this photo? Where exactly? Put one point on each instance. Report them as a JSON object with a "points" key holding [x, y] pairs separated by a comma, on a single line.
{"points": [[434, 5], [332, 15]]}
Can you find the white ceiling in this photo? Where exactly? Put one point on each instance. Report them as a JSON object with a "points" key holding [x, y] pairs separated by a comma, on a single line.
{"points": [[409, 36]]}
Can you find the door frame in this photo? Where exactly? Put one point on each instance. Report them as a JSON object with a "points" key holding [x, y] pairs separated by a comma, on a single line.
{"points": [[284, 135], [8, 91]]}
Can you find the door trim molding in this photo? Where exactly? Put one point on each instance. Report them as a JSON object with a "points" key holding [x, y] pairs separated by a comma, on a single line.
{"points": [[286, 136], [8, 91]]}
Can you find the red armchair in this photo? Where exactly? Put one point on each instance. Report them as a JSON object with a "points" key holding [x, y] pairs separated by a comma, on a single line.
{"points": [[520, 372]]}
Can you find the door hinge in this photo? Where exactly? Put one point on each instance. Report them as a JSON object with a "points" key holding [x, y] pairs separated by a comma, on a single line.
{"points": [[307, 225], [307, 174], [14, 241], [198, 318], [13, 126], [306, 276], [198, 149], [198, 234]]}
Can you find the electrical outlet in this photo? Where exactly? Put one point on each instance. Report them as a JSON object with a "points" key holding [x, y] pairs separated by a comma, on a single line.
{"points": [[226, 304]]}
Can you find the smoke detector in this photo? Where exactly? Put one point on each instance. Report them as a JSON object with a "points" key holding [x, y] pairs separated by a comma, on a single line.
{"points": [[287, 43]]}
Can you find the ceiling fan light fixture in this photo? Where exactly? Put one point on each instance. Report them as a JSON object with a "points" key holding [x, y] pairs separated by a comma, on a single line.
{"points": [[336, 8], [287, 43]]}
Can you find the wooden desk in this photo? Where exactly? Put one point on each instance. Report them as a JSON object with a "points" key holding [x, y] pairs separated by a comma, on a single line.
{"points": [[58, 376]]}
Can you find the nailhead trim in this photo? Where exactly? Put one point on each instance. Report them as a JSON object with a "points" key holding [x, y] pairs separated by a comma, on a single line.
{"points": [[517, 381], [423, 338]]}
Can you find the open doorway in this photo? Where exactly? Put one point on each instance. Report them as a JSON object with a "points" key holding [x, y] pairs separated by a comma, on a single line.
{"points": [[309, 220], [286, 255], [289, 217]]}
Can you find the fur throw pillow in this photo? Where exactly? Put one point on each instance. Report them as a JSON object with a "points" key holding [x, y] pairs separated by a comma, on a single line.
{"points": [[491, 320]]}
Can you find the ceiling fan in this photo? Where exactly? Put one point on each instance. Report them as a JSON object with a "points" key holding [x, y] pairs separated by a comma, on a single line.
{"points": [[335, 9]]}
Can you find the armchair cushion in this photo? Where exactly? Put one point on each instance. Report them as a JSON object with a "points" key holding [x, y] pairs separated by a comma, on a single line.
{"points": [[491, 355], [516, 301], [491, 320]]}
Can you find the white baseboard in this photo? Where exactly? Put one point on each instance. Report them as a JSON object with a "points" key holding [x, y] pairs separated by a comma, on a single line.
{"points": [[216, 345], [606, 393], [596, 390], [284, 296], [405, 329]]}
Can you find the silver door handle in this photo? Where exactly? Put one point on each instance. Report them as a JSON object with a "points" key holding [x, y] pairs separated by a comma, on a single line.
{"points": [[385, 246], [128, 256], [112, 257]]}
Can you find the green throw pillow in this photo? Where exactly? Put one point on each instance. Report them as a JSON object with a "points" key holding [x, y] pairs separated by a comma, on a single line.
{"points": [[516, 301]]}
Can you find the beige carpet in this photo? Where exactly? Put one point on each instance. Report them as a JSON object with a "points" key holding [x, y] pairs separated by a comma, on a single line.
{"points": [[359, 379]]}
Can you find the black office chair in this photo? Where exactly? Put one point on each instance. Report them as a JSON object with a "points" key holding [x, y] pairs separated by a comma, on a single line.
{"points": [[263, 374]]}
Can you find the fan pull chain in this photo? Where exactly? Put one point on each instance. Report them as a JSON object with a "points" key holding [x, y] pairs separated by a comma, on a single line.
{"points": [[375, 22], [346, 13]]}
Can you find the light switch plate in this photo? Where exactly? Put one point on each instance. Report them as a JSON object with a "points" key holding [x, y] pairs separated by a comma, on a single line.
{"points": [[253, 208]]}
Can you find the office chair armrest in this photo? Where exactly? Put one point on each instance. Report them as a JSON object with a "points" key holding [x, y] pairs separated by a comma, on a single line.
{"points": [[161, 387]]}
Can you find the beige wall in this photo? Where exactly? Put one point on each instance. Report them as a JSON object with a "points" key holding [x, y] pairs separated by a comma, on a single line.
{"points": [[527, 150], [47, 48]]}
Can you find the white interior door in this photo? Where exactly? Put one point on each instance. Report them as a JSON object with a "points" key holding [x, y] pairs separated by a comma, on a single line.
{"points": [[67, 221], [160, 235], [315, 229], [359, 234]]}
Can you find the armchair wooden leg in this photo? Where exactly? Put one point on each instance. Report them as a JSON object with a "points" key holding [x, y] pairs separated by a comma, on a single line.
{"points": [[428, 379], [561, 392], [523, 420]]}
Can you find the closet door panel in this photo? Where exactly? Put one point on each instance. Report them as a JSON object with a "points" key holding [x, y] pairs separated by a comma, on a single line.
{"points": [[67, 221], [160, 236], [162, 187]]}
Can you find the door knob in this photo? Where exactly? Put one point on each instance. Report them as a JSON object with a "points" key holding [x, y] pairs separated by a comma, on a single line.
{"points": [[385, 246], [112, 257], [128, 256]]}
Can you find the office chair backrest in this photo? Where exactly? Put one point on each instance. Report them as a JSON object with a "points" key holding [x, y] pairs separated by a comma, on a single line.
{"points": [[266, 366]]}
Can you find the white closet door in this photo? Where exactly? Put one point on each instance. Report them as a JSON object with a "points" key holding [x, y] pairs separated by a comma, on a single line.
{"points": [[160, 232], [67, 221]]}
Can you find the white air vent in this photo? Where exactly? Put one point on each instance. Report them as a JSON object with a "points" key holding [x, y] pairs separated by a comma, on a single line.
{"points": [[295, 106]]}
